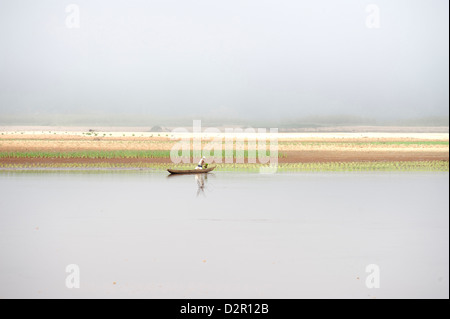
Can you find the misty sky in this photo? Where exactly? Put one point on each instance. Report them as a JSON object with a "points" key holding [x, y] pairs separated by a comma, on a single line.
{"points": [[231, 58]]}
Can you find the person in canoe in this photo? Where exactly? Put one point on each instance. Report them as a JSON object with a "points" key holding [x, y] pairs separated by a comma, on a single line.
{"points": [[201, 163]]}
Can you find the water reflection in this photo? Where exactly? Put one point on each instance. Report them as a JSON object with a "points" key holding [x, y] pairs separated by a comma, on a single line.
{"points": [[200, 179]]}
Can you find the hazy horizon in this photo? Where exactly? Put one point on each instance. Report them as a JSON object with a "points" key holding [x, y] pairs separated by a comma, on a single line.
{"points": [[133, 120], [245, 61]]}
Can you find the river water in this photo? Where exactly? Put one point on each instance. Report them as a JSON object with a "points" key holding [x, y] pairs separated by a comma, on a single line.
{"points": [[231, 235]]}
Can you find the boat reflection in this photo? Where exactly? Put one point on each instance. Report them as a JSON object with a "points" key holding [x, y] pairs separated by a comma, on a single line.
{"points": [[200, 179]]}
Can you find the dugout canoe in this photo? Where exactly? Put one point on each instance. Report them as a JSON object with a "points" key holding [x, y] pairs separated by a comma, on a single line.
{"points": [[191, 171]]}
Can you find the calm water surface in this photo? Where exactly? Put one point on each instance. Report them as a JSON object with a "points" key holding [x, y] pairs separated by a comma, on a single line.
{"points": [[232, 235]]}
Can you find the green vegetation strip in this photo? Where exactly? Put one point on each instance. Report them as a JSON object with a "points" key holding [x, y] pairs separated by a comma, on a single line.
{"points": [[426, 166], [387, 143], [103, 154], [88, 154]]}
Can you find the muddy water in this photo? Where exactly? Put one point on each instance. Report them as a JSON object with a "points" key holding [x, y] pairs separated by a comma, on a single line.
{"points": [[233, 235]]}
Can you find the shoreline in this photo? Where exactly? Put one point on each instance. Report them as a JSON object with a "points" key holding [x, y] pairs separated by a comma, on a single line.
{"points": [[353, 151], [410, 166]]}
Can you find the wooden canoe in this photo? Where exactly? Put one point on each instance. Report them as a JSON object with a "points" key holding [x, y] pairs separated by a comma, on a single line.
{"points": [[191, 171]]}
